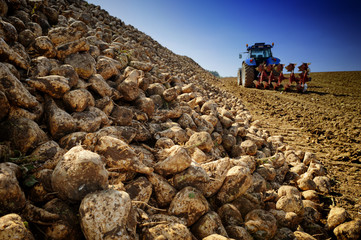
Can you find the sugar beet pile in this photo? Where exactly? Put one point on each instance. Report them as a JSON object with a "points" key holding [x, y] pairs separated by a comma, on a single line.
{"points": [[105, 134]]}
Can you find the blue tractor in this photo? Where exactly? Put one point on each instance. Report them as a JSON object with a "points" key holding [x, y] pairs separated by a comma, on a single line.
{"points": [[259, 53]]}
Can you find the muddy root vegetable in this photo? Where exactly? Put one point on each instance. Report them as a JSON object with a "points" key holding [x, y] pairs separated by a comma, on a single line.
{"points": [[68, 48], [236, 183], [83, 63], [290, 200], [290, 204], [143, 133], [186, 121], [139, 189], [4, 105], [156, 89], [9, 55], [348, 230], [12, 227], [164, 192], [286, 219], [176, 231], [190, 204], [100, 86], [189, 177], [336, 217], [120, 156], [106, 67], [261, 224], [303, 235], [124, 133], [177, 134], [170, 94], [44, 46], [198, 155], [144, 66], [323, 184], [12, 198], [238, 232], [146, 105], [105, 104], [230, 215], [216, 236], [31, 134], [210, 223], [203, 125], [172, 160], [35, 214], [164, 142], [79, 172], [209, 107], [104, 214], [68, 72], [90, 120], [60, 122], [14, 90], [68, 226], [216, 170], [8, 31], [54, 85], [122, 115], [129, 89], [202, 140], [34, 114], [249, 147], [49, 150], [78, 100], [72, 139]]}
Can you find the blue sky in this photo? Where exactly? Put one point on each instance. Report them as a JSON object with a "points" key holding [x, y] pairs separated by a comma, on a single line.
{"points": [[213, 33]]}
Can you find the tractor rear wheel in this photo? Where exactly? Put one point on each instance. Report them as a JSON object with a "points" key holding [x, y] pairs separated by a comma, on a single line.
{"points": [[239, 77], [247, 75]]}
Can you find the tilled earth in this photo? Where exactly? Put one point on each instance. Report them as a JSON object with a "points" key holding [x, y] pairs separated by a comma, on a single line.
{"points": [[325, 120]]}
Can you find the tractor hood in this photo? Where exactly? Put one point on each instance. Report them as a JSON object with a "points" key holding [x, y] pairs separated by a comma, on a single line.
{"points": [[273, 60], [251, 62], [256, 62]]}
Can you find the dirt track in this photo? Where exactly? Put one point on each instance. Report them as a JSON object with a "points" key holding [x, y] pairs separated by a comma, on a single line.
{"points": [[326, 120]]}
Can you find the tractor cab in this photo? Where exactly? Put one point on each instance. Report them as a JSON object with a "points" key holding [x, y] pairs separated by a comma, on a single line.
{"points": [[260, 53]]}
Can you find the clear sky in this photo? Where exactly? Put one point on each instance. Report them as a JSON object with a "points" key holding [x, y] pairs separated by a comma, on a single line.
{"points": [[213, 33]]}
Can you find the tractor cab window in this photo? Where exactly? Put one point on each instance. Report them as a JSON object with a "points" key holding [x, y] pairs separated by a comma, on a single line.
{"points": [[267, 53], [261, 53]]}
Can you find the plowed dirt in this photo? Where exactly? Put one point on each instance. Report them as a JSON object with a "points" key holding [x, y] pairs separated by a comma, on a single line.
{"points": [[325, 120]]}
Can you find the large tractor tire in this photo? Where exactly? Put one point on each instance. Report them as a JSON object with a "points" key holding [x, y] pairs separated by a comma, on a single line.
{"points": [[239, 77], [247, 75]]}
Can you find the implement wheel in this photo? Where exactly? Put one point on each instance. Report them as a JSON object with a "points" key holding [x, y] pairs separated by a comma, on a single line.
{"points": [[239, 77], [247, 75]]}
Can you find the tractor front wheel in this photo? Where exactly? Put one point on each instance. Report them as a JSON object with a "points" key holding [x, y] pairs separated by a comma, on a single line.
{"points": [[247, 75]]}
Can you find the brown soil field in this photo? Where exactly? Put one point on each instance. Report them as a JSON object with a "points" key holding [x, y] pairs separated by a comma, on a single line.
{"points": [[325, 120]]}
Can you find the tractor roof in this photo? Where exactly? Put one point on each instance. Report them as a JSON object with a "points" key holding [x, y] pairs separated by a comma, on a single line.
{"points": [[259, 45]]}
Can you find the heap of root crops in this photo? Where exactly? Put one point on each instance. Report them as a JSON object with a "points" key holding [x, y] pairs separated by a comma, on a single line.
{"points": [[105, 134]]}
